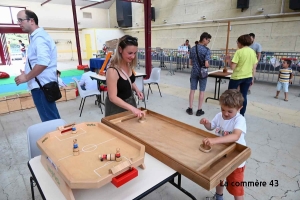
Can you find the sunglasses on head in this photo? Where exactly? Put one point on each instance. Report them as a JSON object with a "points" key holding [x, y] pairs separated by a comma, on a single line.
{"points": [[131, 40]]}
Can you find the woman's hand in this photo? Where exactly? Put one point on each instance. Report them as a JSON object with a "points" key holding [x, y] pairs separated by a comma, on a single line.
{"points": [[140, 95], [228, 58], [137, 112]]}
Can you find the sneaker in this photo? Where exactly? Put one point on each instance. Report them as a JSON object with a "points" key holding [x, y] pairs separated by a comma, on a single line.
{"points": [[199, 112], [189, 111], [249, 92], [215, 197]]}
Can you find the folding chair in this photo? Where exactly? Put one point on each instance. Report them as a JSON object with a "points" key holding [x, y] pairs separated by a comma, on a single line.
{"points": [[87, 93], [154, 79]]}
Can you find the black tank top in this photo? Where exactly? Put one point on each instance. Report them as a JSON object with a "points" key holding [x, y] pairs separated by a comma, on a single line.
{"points": [[123, 86]]}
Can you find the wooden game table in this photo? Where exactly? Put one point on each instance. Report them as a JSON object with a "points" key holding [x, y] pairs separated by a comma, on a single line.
{"points": [[85, 171], [218, 75], [136, 189], [177, 145]]}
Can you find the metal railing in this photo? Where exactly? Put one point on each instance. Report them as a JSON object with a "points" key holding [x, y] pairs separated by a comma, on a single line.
{"points": [[267, 68]]}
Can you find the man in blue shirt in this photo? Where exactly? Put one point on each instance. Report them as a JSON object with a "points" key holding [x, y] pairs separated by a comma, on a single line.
{"points": [[42, 55], [204, 57]]}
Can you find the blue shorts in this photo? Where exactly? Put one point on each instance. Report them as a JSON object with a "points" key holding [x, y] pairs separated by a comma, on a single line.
{"points": [[23, 54], [283, 86], [194, 81]]}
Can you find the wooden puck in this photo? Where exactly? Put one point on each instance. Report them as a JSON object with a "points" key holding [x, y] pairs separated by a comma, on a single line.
{"points": [[205, 148], [142, 120]]}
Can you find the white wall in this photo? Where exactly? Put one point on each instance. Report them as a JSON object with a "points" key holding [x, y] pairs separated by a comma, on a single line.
{"points": [[65, 49], [274, 34], [103, 35], [99, 37]]}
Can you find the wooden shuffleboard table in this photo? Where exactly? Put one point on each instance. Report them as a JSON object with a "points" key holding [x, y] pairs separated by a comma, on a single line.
{"points": [[177, 145]]}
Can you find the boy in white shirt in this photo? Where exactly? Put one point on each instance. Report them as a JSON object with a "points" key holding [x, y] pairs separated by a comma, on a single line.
{"points": [[60, 81], [86, 81], [230, 125]]}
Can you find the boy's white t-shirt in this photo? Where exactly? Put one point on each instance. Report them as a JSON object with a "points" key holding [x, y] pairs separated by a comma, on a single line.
{"points": [[225, 127], [60, 82]]}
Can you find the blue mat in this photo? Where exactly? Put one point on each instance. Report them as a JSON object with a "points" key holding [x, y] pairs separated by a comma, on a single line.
{"points": [[14, 88]]}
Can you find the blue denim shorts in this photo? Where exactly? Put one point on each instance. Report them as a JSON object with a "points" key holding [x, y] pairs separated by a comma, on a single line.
{"points": [[283, 86], [194, 81]]}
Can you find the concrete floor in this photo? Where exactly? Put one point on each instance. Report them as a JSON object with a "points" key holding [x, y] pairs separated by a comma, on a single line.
{"points": [[272, 134]]}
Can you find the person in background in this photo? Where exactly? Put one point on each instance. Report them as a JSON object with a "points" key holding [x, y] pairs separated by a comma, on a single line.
{"points": [[23, 50], [196, 42], [60, 81], [42, 57], [187, 43], [257, 48], [243, 65], [86, 82], [231, 127], [120, 79], [285, 77], [204, 56]]}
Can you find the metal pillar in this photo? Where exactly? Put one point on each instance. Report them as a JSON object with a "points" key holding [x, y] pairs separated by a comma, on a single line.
{"points": [[147, 18], [76, 32]]}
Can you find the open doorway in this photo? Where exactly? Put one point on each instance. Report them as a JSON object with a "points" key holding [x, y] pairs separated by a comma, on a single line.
{"points": [[17, 44], [12, 57]]}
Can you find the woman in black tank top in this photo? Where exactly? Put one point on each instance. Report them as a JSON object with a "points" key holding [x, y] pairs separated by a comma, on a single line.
{"points": [[119, 87]]}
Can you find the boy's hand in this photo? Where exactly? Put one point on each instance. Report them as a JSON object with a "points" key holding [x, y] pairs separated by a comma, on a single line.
{"points": [[290, 81], [208, 141], [204, 121]]}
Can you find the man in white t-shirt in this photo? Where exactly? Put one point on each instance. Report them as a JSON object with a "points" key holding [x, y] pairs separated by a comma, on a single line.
{"points": [[86, 82], [230, 125]]}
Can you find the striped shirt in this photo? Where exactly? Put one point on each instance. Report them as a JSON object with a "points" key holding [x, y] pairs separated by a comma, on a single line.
{"points": [[284, 75]]}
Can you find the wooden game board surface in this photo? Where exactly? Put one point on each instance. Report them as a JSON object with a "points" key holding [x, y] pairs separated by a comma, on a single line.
{"points": [[94, 139], [177, 145]]}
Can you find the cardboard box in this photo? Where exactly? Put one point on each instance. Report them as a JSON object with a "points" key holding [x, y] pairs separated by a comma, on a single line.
{"points": [[63, 95], [112, 44], [3, 105], [70, 93], [26, 101], [13, 102], [72, 85]]}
